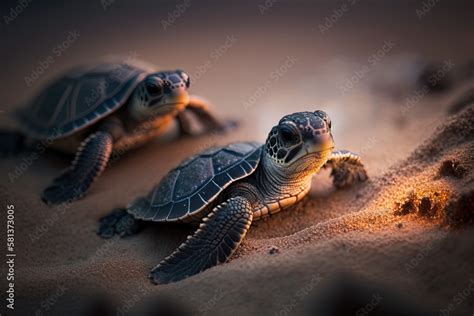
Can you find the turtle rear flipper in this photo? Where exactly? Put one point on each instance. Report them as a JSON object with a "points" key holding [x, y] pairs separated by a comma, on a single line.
{"points": [[91, 159], [218, 236], [11, 143], [118, 222]]}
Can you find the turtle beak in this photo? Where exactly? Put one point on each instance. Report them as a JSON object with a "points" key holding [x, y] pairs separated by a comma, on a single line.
{"points": [[318, 150], [319, 143], [177, 99]]}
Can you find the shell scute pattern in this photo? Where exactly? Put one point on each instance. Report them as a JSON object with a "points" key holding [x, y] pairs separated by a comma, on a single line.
{"points": [[79, 98], [165, 188], [223, 159], [188, 188], [192, 176]]}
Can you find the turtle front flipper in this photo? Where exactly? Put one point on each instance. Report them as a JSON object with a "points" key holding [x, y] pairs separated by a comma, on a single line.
{"points": [[220, 233], [200, 108], [185, 124], [347, 168], [91, 159]]}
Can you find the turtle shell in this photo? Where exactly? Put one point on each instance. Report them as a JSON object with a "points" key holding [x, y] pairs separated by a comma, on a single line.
{"points": [[80, 98], [189, 188]]}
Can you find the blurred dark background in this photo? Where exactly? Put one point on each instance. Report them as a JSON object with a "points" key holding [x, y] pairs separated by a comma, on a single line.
{"points": [[266, 32]]}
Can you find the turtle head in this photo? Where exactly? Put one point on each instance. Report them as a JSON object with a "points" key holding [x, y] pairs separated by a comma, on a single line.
{"points": [[160, 93], [301, 142]]}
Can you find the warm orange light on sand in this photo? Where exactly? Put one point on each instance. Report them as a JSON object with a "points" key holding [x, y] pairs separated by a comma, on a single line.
{"points": [[424, 201]]}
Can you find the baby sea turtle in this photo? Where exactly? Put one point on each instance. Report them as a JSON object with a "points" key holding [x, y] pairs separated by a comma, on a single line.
{"points": [[227, 188], [100, 110]]}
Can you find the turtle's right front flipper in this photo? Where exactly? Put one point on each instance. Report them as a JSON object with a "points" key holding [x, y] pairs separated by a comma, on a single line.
{"points": [[347, 168], [213, 243], [201, 109], [91, 159]]}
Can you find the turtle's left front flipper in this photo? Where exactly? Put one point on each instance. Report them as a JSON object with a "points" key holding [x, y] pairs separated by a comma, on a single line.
{"points": [[91, 159], [347, 168], [213, 243]]}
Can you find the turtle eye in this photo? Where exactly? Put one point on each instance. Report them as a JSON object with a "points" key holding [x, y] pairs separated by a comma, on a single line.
{"points": [[188, 81], [185, 77], [154, 86], [288, 134]]}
